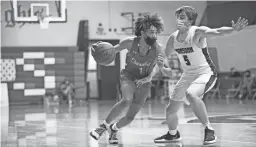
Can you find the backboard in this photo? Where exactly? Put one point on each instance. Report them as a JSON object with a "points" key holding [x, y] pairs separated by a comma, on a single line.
{"points": [[28, 11]]}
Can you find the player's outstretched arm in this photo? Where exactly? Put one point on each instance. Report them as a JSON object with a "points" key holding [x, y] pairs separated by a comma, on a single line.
{"points": [[206, 32], [124, 44]]}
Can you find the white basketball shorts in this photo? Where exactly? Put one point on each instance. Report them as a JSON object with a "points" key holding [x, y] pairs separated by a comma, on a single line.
{"points": [[186, 80]]}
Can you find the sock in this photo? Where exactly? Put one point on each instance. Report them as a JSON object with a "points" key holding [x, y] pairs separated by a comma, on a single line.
{"points": [[208, 125], [173, 132], [106, 124], [114, 127]]}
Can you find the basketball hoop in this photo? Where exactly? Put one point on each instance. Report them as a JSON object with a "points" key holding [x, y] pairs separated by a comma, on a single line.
{"points": [[44, 21]]}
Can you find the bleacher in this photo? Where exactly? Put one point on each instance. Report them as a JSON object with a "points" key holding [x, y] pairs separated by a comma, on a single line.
{"points": [[43, 72], [227, 87]]}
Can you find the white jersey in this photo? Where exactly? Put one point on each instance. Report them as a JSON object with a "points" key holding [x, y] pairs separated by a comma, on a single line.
{"points": [[193, 59]]}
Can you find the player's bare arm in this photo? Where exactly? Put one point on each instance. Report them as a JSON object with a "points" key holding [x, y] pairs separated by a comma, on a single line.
{"points": [[149, 78], [206, 32], [124, 44], [164, 52]]}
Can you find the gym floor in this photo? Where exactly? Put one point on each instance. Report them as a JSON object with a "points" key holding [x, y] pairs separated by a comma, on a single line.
{"points": [[63, 126]]}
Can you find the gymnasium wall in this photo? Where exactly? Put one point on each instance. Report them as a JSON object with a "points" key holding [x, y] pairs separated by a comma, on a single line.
{"points": [[236, 50], [106, 12]]}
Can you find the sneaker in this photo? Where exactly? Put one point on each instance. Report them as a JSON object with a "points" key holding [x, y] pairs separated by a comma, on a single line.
{"points": [[168, 138], [97, 133], [112, 135], [209, 137]]}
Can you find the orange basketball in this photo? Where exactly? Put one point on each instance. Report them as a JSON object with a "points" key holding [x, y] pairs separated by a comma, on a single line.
{"points": [[103, 53]]}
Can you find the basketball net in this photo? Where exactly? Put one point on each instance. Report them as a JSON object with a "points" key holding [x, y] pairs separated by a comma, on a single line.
{"points": [[44, 21]]}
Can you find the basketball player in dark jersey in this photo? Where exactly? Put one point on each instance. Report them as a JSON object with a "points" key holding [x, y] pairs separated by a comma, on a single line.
{"points": [[144, 53]]}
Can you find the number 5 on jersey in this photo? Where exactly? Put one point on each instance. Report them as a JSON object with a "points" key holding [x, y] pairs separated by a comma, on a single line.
{"points": [[185, 57]]}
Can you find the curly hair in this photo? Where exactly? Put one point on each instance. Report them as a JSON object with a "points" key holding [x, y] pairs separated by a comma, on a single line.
{"points": [[146, 21]]}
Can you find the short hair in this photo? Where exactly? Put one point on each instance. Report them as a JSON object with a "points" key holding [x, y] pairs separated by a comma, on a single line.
{"points": [[146, 21], [190, 12]]}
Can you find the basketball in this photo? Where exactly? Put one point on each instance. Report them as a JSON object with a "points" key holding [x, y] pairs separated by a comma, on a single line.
{"points": [[103, 53]]}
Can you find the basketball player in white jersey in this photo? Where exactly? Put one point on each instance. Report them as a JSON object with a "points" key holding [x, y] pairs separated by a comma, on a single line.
{"points": [[199, 74]]}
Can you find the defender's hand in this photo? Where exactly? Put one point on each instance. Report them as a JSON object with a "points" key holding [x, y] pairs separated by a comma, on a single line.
{"points": [[160, 61], [240, 24]]}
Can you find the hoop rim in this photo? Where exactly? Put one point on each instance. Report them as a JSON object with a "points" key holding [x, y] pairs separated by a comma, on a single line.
{"points": [[41, 17]]}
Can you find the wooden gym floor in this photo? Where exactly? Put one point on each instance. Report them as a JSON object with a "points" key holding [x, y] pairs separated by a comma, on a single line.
{"points": [[63, 126]]}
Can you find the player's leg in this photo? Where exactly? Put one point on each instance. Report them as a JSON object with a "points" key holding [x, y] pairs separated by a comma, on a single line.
{"points": [[69, 95], [172, 121], [140, 97], [138, 101], [194, 95], [127, 88], [175, 103], [65, 94]]}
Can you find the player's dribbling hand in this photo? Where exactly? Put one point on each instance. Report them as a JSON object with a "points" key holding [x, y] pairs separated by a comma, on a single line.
{"points": [[142, 81], [240, 24], [94, 47], [160, 61], [92, 51]]}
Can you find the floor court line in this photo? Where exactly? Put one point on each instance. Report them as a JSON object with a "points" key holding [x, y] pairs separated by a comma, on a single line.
{"points": [[79, 127], [222, 115], [210, 116]]}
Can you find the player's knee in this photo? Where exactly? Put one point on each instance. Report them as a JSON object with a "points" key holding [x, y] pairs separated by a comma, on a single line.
{"points": [[191, 96], [126, 101]]}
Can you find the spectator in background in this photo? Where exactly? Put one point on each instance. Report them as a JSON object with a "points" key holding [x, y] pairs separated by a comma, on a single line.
{"points": [[246, 85], [67, 91], [51, 99], [234, 72]]}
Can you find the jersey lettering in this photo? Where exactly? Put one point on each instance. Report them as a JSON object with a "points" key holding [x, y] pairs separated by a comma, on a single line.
{"points": [[133, 61], [184, 50]]}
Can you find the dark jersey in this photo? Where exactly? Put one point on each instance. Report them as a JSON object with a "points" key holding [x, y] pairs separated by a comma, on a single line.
{"points": [[138, 66]]}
